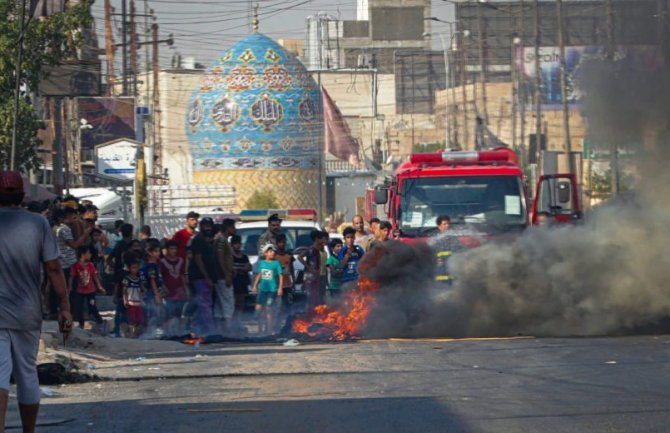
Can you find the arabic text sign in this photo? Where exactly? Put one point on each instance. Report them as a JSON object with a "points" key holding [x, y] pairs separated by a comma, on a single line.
{"points": [[117, 159]]}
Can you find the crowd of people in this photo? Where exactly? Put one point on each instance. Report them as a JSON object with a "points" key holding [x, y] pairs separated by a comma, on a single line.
{"points": [[199, 280]]}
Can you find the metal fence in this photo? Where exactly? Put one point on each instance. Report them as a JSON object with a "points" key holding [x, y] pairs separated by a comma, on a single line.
{"points": [[178, 200]]}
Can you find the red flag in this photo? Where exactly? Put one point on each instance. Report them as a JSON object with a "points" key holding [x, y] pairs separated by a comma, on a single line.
{"points": [[338, 139]]}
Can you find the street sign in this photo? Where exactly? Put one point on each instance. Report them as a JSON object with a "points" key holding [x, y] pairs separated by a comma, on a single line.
{"points": [[117, 159]]}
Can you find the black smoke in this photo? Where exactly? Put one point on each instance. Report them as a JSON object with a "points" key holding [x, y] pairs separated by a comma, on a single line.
{"points": [[609, 275]]}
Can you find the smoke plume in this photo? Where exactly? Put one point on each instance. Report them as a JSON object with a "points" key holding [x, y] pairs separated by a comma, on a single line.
{"points": [[609, 274]]}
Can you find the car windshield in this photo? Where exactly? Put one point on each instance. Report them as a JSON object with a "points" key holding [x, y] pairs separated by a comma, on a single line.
{"points": [[295, 237], [490, 200]]}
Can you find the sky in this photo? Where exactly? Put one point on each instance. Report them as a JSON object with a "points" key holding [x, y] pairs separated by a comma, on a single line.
{"points": [[204, 28]]}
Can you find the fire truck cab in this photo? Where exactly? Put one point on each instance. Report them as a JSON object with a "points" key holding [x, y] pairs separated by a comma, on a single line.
{"points": [[483, 193]]}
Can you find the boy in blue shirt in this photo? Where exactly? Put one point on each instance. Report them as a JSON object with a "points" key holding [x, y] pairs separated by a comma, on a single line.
{"points": [[334, 269], [349, 256], [268, 285]]}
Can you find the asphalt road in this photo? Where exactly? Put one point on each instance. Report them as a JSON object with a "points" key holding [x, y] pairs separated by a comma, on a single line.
{"points": [[519, 385]]}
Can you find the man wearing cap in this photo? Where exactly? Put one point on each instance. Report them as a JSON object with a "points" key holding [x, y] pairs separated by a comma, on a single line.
{"points": [[184, 235], [270, 236], [27, 245], [203, 272]]}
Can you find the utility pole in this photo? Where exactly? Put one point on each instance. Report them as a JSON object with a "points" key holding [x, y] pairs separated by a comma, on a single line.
{"points": [[482, 62], [17, 85], [55, 105], [124, 47], [109, 48], [564, 84], [464, 82], [538, 88], [514, 92], [447, 83], [147, 121], [452, 80], [521, 92], [65, 146], [609, 55], [147, 62], [155, 109], [133, 49]]}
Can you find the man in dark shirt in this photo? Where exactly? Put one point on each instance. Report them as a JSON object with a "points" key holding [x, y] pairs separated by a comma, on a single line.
{"points": [[270, 236], [203, 271], [117, 258]]}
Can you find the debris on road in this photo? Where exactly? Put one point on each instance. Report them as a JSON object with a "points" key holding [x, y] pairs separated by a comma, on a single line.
{"points": [[292, 343], [47, 392], [55, 373]]}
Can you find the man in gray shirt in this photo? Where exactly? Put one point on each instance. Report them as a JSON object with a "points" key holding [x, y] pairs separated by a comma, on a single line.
{"points": [[26, 245]]}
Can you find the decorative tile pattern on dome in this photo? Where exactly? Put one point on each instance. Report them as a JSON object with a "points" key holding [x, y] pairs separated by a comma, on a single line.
{"points": [[247, 56], [226, 57], [267, 111], [287, 143], [307, 109], [245, 145], [241, 78], [196, 112], [277, 78], [259, 108], [272, 56], [225, 113]]}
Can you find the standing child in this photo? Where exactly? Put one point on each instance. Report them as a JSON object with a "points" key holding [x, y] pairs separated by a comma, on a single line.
{"points": [[133, 298], [98, 251], [268, 285], [381, 235], [311, 259], [173, 271], [156, 292], [323, 269], [285, 259], [85, 275], [241, 280], [334, 266], [349, 256]]}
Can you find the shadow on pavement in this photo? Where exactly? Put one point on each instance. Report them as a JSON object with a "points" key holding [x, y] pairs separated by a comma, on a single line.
{"points": [[370, 415]]}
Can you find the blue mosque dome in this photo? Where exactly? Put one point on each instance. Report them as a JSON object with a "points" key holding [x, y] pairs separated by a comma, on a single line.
{"points": [[256, 123]]}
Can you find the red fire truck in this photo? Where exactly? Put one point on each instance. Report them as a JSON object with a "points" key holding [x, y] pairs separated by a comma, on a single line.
{"points": [[483, 193]]}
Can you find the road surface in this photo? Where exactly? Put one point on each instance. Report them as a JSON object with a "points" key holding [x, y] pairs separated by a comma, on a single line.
{"points": [[506, 385]]}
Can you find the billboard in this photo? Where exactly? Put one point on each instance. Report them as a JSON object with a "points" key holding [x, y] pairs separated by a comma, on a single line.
{"points": [[636, 56], [76, 78], [105, 119], [116, 159]]}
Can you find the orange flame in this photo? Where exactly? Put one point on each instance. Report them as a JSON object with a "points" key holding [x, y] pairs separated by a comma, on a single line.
{"points": [[344, 322]]}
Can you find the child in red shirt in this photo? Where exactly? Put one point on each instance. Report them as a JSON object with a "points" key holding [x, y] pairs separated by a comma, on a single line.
{"points": [[173, 271], [85, 275]]}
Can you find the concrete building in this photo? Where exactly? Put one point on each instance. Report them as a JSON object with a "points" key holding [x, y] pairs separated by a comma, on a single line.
{"points": [[382, 28], [492, 27]]}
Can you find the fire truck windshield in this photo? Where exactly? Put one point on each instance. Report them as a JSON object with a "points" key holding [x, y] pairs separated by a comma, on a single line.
{"points": [[497, 201]]}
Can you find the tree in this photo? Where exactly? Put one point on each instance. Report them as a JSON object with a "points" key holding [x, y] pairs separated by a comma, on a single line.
{"points": [[47, 41], [262, 200]]}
